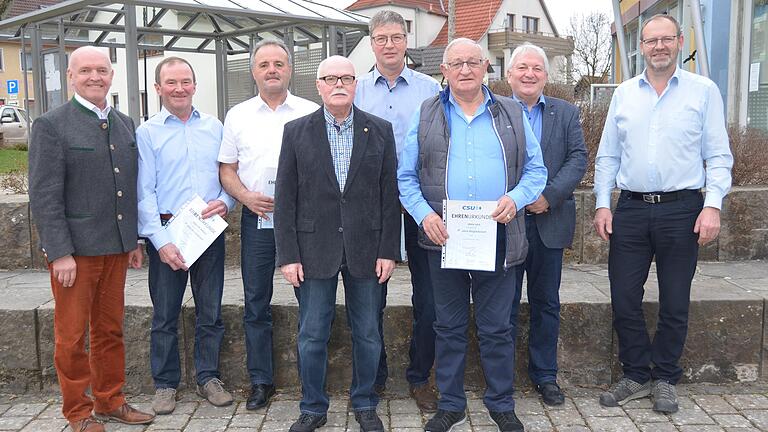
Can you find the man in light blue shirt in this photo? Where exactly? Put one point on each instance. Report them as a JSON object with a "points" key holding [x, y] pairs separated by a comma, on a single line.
{"points": [[178, 150], [394, 92], [467, 144], [664, 140]]}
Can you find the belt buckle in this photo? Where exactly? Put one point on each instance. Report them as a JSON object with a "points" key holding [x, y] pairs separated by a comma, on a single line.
{"points": [[652, 198]]}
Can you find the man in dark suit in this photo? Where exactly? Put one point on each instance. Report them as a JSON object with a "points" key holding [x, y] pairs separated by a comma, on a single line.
{"points": [[337, 211], [549, 221], [82, 190]]}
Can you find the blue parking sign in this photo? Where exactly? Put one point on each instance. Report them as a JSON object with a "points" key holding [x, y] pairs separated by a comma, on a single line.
{"points": [[13, 86]]}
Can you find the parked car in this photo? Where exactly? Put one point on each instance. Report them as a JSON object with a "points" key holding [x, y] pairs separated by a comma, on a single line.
{"points": [[13, 125]]}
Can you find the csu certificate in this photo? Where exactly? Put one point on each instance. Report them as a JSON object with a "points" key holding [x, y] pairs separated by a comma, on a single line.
{"points": [[471, 243], [268, 184], [191, 233]]}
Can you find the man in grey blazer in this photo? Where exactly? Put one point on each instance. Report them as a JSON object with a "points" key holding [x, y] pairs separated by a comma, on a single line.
{"points": [[551, 220], [336, 211], [82, 189]]}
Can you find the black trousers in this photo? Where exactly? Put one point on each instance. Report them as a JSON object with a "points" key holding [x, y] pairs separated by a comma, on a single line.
{"points": [[641, 232]]}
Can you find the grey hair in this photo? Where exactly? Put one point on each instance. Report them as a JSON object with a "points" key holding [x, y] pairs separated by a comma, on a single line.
{"points": [[334, 58], [667, 17], [384, 17], [274, 42], [528, 48], [458, 41]]}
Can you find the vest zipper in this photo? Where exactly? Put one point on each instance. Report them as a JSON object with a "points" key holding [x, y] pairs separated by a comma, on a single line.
{"points": [[506, 172]]}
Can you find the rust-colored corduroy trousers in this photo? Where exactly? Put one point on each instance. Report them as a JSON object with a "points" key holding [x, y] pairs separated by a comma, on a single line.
{"points": [[94, 304]]}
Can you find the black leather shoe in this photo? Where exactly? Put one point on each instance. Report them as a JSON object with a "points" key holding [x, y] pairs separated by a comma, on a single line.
{"points": [[259, 397], [550, 393]]}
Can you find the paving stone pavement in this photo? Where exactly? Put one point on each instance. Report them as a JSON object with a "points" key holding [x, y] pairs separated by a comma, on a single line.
{"points": [[703, 408]]}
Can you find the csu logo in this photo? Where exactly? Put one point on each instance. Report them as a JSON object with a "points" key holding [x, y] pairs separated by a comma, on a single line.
{"points": [[471, 207]]}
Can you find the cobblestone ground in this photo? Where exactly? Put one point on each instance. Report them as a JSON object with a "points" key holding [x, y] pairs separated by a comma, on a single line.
{"points": [[703, 408]]}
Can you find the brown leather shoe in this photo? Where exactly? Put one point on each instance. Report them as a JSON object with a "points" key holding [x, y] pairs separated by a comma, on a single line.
{"points": [[128, 415], [425, 396], [89, 424]]}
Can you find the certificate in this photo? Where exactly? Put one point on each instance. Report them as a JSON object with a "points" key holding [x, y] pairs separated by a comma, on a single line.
{"points": [[268, 188], [471, 243], [191, 233]]}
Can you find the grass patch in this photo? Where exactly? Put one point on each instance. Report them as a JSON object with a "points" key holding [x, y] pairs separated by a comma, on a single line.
{"points": [[13, 160]]}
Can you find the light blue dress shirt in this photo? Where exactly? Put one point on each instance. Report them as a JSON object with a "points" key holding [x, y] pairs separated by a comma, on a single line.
{"points": [[660, 143], [398, 103], [534, 115], [476, 163], [176, 161]]}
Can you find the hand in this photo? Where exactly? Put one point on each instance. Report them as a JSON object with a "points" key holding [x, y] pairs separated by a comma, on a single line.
{"points": [[259, 203], [505, 210], [435, 229], [293, 273], [215, 207], [384, 269], [603, 223], [135, 258], [171, 255], [707, 225], [539, 206], [65, 270]]}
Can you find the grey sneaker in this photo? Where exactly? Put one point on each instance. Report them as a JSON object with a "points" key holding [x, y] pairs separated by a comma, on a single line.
{"points": [[624, 391], [214, 391], [664, 397], [164, 401]]}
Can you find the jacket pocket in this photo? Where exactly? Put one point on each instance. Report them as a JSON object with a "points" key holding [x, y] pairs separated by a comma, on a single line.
{"points": [[81, 149]]}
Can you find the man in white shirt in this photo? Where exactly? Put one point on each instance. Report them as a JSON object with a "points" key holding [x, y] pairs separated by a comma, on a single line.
{"points": [[250, 147]]}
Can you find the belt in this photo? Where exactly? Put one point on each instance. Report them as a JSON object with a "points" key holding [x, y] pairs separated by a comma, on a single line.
{"points": [[658, 197], [165, 216]]}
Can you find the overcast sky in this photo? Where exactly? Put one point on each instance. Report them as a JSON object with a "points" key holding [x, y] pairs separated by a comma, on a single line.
{"points": [[561, 10]]}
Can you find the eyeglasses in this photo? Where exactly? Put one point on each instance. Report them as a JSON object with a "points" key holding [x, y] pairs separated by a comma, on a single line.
{"points": [[459, 64], [331, 80], [666, 41], [524, 68], [396, 39]]}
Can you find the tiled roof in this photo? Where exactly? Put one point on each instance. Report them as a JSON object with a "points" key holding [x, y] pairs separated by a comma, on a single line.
{"points": [[432, 6], [473, 18], [427, 60], [19, 7]]}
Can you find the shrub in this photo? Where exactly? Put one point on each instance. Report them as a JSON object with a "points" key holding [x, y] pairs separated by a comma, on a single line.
{"points": [[15, 182]]}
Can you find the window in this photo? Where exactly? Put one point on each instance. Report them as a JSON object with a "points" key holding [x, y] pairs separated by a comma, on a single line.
{"points": [[530, 24], [10, 112], [408, 24], [25, 60], [116, 101], [511, 21], [635, 59], [2, 60], [113, 54]]}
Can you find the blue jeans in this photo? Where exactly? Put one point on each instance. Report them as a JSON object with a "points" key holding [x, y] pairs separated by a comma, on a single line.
{"points": [[166, 288], [543, 266], [257, 255], [317, 305], [492, 296]]}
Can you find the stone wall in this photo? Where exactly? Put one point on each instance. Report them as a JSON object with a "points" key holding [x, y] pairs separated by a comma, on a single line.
{"points": [[744, 234]]}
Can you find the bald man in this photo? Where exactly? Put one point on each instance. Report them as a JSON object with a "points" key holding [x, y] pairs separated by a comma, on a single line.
{"points": [[82, 189], [337, 211]]}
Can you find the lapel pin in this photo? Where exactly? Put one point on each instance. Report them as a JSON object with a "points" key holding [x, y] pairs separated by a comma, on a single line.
{"points": [[365, 130]]}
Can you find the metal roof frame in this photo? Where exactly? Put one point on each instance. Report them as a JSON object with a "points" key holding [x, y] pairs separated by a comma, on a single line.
{"points": [[230, 27]]}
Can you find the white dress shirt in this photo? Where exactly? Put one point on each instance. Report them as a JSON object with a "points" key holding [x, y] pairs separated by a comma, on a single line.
{"points": [[102, 113]]}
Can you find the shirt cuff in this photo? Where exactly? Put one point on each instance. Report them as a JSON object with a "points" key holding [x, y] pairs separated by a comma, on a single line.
{"points": [[422, 210], [713, 200], [160, 239], [518, 199], [603, 201]]}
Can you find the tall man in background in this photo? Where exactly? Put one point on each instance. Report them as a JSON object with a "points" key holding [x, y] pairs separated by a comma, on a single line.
{"points": [[394, 92]]}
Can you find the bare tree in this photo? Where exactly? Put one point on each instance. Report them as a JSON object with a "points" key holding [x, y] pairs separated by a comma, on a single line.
{"points": [[592, 47]]}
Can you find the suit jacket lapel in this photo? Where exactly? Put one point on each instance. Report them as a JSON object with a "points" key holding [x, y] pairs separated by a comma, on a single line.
{"points": [[547, 118], [359, 144], [325, 159]]}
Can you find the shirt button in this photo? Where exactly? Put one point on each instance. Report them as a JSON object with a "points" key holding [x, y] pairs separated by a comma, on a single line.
{"points": [[119, 217], [119, 193], [470, 195], [469, 160], [117, 170], [341, 229], [470, 177]]}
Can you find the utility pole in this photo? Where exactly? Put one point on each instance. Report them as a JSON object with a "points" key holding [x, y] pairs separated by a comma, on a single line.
{"points": [[451, 20]]}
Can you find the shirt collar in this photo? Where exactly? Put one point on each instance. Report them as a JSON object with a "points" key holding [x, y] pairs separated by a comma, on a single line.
{"points": [[289, 102], [480, 109], [90, 106], [405, 74], [331, 120], [164, 114], [645, 81], [541, 102]]}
